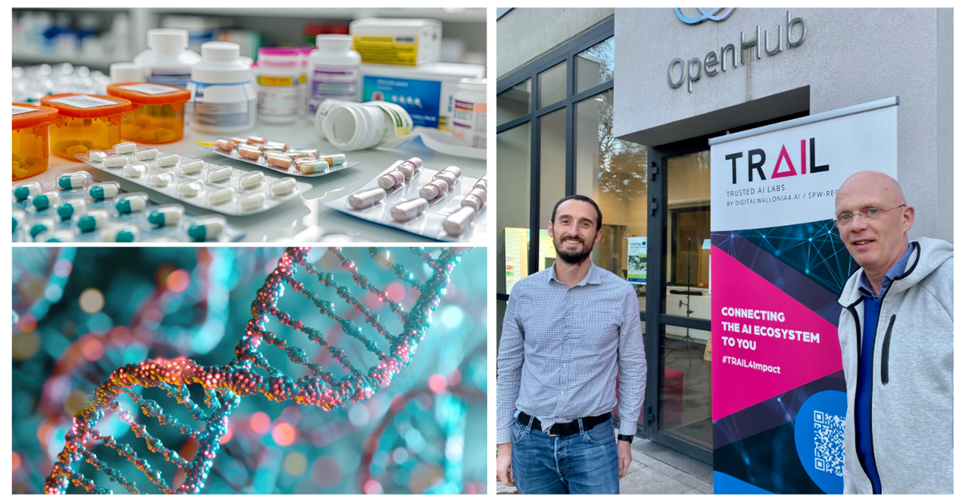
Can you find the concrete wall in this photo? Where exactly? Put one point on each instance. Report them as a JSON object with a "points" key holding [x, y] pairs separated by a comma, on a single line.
{"points": [[849, 56], [525, 34]]}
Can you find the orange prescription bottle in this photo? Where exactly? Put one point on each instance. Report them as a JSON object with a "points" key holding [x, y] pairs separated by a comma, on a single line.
{"points": [[31, 139], [157, 115], [86, 122]]}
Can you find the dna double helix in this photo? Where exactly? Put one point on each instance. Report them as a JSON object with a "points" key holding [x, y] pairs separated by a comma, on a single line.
{"points": [[250, 372]]}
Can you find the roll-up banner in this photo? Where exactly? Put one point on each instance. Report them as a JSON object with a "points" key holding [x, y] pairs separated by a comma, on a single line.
{"points": [[777, 268]]}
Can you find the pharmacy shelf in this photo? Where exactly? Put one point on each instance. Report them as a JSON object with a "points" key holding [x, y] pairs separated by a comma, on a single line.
{"points": [[24, 57], [473, 15], [303, 219]]}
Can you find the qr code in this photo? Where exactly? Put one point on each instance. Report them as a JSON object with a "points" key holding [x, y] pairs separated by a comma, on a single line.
{"points": [[828, 431]]}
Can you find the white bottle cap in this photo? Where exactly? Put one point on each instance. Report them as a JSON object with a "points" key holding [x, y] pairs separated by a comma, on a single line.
{"points": [[125, 72], [334, 42], [168, 41], [220, 51]]}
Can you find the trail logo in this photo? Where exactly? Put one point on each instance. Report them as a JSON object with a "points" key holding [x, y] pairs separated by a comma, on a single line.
{"points": [[784, 167]]}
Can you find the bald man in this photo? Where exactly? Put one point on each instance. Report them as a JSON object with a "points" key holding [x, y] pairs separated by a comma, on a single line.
{"points": [[896, 338]]}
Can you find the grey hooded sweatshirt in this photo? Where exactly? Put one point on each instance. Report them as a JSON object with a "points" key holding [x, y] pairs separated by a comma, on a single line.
{"points": [[912, 401]]}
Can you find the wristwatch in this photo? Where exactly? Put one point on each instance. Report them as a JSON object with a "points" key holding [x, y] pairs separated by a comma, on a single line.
{"points": [[621, 437]]}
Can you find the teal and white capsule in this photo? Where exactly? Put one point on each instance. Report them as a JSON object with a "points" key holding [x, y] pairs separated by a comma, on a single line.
{"points": [[126, 233], [334, 160], [125, 148], [165, 216], [41, 225], [91, 221], [72, 180], [45, 200], [26, 190], [131, 203], [206, 229], [18, 219], [69, 208], [103, 191]]}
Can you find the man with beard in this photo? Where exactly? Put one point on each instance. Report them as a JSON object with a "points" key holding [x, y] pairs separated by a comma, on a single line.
{"points": [[566, 333]]}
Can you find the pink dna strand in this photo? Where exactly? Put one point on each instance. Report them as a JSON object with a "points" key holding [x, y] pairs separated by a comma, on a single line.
{"points": [[224, 386]]}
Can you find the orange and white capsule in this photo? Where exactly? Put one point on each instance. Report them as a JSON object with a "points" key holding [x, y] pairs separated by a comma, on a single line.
{"points": [[277, 160], [223, 144], [235, 142], [390, 180], [249, 152], [256, 140]]}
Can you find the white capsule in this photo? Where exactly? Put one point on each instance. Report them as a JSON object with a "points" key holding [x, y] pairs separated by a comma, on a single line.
{"points": [[481, 183], [367, 198], [167, 160], [161, 180], [192, 167], [147, 154], [391, 179], [475, 199], [450, 174], [410, 209], [251, 180], [457, 222], [96, 156], [114, 161], [433, 190], [252, 202], [221, 196], [72, 180], [190, 189], [284, 187], [125, 148], [221, 174], [134, 170], [411, 167]]}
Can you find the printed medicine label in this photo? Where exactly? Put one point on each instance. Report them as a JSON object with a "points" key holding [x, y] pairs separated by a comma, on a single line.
{"points": [[83, 102], [149, 89]]}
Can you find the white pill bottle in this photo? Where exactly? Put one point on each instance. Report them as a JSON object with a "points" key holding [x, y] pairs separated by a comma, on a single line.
{"points": [[470, 112], [278, 85], [333, 71], [167, 60], [223, 98]]}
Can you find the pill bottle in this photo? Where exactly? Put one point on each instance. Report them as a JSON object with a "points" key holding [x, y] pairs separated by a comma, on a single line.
{"points": [[31, 139], [333, 71], [353, 126], [167, 60], [470, 112], [125, 72], [85, 122], [304, 93], [278, 85], [157, 115], [223, 100]]}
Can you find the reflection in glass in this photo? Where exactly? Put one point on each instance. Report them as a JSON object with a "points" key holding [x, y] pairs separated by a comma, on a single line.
{"points": [[614, 174], [553, 85], [513, 219], [514, 102], [553, 179], [595, 65], [685, 352]]}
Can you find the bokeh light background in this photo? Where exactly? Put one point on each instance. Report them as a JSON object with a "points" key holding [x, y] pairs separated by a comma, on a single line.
{"points": [[79, 314]]}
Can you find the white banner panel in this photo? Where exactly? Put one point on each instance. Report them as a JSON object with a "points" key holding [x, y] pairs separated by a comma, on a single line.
{"points": [[791, 175]]}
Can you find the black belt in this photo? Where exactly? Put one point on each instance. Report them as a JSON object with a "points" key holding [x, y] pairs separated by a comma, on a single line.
{"points": [[567, 428]]}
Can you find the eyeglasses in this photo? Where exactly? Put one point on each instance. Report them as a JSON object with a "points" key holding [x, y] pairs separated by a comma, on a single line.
{"points": [[868, 214]]}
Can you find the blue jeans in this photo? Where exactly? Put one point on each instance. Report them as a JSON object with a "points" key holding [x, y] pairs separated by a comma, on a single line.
{"points": [[585, 462]]}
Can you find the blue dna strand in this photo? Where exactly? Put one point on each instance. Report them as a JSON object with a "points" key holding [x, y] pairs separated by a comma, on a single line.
{"points": [[251, 372]]}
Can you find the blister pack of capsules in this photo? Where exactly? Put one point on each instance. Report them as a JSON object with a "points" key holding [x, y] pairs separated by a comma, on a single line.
{"points": [[277, 155], [442, 205], [223, 189], [78, 208]]}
